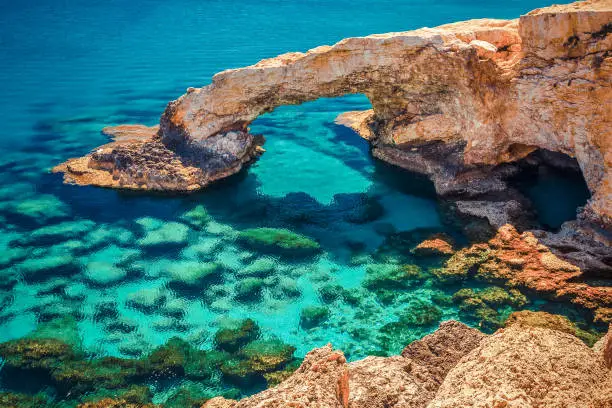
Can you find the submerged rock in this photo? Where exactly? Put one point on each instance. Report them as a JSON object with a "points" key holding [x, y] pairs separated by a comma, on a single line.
{"points": [[313, 316], [553, 322], [104, 273], [236, 336], [41, 208], [147, 300], [198, 217], [513, 368], [186, 275], [279, 240], [168, 233], [249, 289]]}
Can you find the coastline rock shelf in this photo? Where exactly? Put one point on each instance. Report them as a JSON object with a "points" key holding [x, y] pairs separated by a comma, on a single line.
{"points": [[456, 102]]}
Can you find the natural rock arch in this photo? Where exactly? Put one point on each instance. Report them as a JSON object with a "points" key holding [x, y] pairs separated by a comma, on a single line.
{"points": [[491, 91]]}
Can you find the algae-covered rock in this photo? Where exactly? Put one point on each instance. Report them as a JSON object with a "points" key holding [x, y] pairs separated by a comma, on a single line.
{"points": [[170, 358], [249, 289], [147, 300], [237, 335], [462, 264], [484, 306], [135, 394], [115, 403], [420, 313], [390, 276], [189, 275], [41, 208], [313, 316], [158, 233], [187, 397], [197, 217], [554, 322], [35, 354], [15, 400], [279, 240], [441, 299], [78, 377], [64, 329], [276, 377], [263, 356], [330, 292], [104, 273]]}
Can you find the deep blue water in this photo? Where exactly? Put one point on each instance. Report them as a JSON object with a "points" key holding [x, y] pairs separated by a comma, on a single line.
{"points": [[69, 68]]}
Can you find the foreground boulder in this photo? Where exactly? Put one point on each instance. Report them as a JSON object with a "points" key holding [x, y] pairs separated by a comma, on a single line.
{"points": [[524, 367], [321, 381], [412, 379]]}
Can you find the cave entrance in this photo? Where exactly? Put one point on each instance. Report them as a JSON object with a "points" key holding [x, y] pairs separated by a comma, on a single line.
{"points": [[554, 184]]}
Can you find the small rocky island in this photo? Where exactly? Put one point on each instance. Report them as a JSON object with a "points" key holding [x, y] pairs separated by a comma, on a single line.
{"points": [[470, 105]]}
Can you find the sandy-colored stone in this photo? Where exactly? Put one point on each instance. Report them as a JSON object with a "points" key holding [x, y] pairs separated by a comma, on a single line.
{"points": [[320, 382], [524, 367], [412, 379], [441, 350], [434, 246]]}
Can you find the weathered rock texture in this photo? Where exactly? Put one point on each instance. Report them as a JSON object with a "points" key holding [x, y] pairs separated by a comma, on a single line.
{"points": [[320, 382], [453, 101], [525, 365], [520, 260]]}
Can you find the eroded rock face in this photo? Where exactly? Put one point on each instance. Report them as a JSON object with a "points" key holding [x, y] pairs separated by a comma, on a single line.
{"points": [[491, 90], [412, 379], [441, 350], [321, 381], [524, 367]]}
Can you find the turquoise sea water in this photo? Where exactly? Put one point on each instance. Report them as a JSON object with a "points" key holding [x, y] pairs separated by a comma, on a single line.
{"points": [[118, 264]]}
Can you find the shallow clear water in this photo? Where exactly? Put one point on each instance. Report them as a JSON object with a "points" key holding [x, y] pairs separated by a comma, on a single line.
{"points": [[72, 67]]}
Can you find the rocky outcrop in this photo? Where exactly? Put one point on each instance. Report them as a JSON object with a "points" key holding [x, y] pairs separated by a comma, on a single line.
{"points": [[524, 367], [432, 247], [412, 379], [520, 260], [321, 381], [454, 102], [528, 364], [138, 160]]}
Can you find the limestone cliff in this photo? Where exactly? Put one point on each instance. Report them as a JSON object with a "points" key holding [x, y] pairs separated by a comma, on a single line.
{"points": [[490, 91]]}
